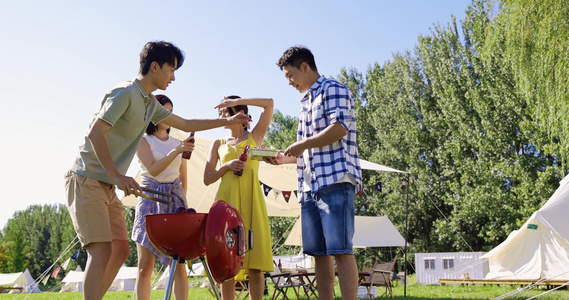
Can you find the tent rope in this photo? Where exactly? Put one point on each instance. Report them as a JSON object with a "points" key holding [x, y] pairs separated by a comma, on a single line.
{"points": [[282, 236], [46, 272], [460, 235]]}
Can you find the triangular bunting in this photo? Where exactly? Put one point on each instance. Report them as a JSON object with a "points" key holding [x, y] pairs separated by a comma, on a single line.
{"points": [[286, 195], [66, 264], [277, 193], [76, 254], [266, 189], [378, 186], [55, 272]]}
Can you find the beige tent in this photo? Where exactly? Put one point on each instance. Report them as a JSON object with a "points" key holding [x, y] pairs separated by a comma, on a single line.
{"points": [[19, 282], [279, 178], [369, 232]]}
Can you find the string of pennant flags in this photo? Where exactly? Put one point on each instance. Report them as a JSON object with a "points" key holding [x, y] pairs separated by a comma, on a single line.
{"points": [[63, 266], [287, 194]]}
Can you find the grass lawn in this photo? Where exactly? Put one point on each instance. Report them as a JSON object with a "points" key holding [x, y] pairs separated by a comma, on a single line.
{"points": [[414, 292]]}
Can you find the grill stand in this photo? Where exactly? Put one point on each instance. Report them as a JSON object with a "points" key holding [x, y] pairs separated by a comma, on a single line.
{"points": [[178, 260], [211, 281]]}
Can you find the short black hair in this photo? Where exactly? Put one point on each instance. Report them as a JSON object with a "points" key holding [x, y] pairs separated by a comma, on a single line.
{"points": [[295, 56], [163, 99], [160, 52]]}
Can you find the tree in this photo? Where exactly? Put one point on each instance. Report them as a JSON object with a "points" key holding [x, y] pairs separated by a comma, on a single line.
{"points": [[533, 35], [35, 238], [282, 131]]}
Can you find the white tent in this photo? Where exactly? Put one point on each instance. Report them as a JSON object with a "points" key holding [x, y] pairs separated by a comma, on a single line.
{"points": [[540, 248], [369, 232], [162, 283], [281, 179], [73, 282], [125, 279], [17, 281]]}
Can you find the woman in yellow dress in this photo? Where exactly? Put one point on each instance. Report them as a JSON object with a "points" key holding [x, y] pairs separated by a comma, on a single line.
{"points": [[244, 192]]}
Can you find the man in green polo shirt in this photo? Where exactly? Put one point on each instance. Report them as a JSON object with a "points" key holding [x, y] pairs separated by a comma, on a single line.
{"points": [[105, 155]]}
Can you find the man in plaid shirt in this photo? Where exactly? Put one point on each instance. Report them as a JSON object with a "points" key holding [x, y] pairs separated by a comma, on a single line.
{"points": [[329, 172]]}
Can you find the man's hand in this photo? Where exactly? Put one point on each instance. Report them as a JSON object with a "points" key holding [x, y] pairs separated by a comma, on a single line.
{"points": [[295, 150], [127, 184], [279, 160], [239, 118]]}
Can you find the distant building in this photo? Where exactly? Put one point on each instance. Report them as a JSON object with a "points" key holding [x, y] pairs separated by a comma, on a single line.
{"points": [[431, 267]]}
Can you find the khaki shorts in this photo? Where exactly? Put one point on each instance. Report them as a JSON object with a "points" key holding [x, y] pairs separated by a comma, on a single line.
{"points": [[96, 212]]}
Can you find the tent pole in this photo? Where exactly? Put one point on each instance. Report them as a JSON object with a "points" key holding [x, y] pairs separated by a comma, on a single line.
{"points": [[406, 235]]}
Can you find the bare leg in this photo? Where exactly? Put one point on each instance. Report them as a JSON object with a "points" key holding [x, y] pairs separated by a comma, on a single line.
{"points": [[104, 261], [97, 260], [181, 283], [144, 274], [228, 290], [118, 257], [347, 275], [256, 284], [325, 274]]}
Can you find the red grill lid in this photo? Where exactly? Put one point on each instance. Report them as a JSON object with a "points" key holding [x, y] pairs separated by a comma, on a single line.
{"points": [[180, 234], [223, 231]]}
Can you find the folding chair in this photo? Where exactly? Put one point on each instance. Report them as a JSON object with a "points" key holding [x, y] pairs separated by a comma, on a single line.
{"points": [[379, 275], [282, 282]]}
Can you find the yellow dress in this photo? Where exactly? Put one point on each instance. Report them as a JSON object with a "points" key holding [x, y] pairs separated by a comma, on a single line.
{"points": [[245, 194]]}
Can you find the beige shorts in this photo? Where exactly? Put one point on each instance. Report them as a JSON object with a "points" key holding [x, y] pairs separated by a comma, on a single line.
{"points": [[96, 212]]}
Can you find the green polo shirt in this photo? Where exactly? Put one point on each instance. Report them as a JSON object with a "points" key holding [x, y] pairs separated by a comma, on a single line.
{"points": [[129, 110]]}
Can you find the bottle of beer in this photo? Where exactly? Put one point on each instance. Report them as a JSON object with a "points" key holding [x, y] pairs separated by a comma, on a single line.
{"points": [[242, 157], [188, 154]]}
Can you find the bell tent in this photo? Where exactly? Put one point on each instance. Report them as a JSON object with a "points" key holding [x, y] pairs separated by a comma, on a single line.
{"points": [[540, 248]]}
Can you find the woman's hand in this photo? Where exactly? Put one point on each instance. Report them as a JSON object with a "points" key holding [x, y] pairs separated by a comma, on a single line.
{"points": [[226, 102], [186, 145], [236, 165]]}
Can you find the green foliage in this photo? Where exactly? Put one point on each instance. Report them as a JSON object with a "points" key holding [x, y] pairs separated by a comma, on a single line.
{"points": [[282, 131], [534, 35], [280, 229], [132, 260], [457, 122], [34, 238]]}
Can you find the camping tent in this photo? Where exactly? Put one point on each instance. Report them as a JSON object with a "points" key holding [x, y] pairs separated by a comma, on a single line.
{"points": [[17, 281], [281, 180], [73, 281], [369, 232], [540, 248], [125, 279], [162, 283]]}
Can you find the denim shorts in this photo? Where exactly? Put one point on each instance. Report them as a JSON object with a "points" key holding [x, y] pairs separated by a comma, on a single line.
{"points": [[328, 220]]}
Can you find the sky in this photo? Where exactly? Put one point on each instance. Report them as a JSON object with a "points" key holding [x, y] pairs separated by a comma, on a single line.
{"points": [[59, 58]]}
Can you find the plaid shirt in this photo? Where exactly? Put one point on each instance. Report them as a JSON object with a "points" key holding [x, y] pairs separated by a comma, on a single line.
{"points": [[327, 102]]}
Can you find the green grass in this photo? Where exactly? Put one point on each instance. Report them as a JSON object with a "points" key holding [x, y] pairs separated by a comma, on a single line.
{"points": [[414, 292]]}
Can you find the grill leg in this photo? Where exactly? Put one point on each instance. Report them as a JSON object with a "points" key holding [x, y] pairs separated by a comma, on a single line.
{"points": [[171, 279], [211, 281]]}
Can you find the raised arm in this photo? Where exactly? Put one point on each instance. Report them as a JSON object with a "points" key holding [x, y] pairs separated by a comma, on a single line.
{"points": [[264, 120], [188, 125]]}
